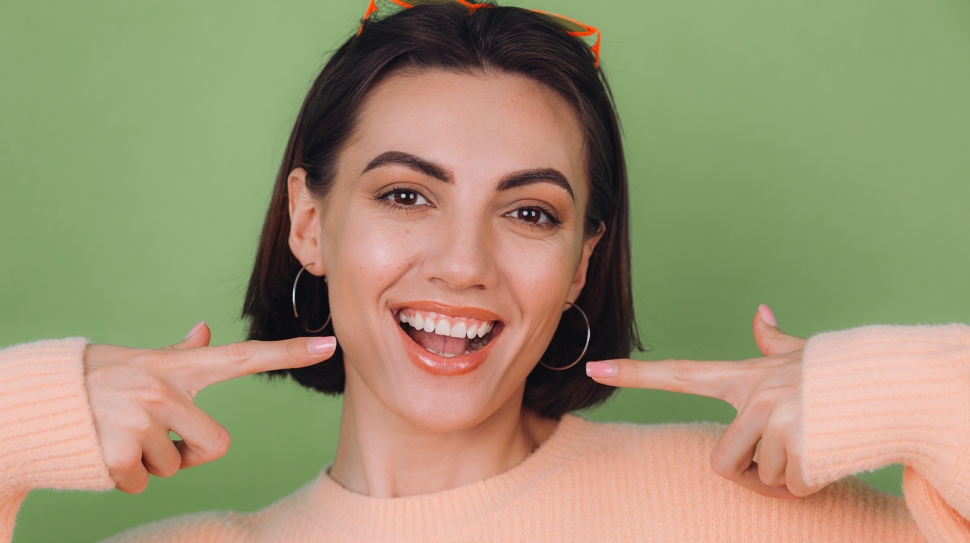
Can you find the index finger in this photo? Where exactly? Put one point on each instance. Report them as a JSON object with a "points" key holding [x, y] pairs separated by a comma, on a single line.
{"points": [[706, 378], [211, 365]]}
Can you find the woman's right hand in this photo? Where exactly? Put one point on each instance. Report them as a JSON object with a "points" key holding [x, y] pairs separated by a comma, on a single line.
{"points": [[138, 395]]}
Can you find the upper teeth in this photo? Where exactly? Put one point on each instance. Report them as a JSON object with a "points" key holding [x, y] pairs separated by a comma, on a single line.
{"points": [[445, 326]]}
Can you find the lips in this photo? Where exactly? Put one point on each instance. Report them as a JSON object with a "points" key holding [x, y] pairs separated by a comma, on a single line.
{"points": [[446, 340]]}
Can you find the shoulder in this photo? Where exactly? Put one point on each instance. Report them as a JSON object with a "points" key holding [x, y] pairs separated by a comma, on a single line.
{"points": [[281, 517], [645, 442], [669, 464]]}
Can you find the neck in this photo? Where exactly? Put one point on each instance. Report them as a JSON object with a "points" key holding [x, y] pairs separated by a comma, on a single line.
{"points": [[382, 455]]}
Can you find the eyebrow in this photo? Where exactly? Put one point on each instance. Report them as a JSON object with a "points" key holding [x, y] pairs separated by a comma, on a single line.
{"points": [[510, 181], [541, 175], [408, 160]]}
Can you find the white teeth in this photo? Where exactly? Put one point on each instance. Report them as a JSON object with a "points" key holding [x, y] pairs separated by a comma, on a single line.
{"points": [[443, 328]]}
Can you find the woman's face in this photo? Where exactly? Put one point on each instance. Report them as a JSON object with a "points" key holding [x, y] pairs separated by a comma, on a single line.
{"points": [[451, 238]]}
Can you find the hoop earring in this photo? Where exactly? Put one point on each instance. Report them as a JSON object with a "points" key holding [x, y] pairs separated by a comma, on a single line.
{"points": [[586, 346], [297, 315]]}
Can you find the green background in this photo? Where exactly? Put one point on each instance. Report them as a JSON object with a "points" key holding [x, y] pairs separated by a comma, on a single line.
{"points": [[809, 155]]}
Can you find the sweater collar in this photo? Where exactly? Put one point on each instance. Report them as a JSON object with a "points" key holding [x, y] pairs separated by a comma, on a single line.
{"points": [[446, 513]]}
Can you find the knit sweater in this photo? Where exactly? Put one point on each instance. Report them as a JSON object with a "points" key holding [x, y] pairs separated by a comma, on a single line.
{"points": [[872, 396]]}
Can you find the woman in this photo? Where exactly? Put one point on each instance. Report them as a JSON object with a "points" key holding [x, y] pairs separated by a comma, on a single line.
{"points": [[456, 176]]}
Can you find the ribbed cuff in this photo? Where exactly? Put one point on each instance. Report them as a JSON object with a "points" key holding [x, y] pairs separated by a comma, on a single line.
{"points": [[48, 439], [878, 395]]}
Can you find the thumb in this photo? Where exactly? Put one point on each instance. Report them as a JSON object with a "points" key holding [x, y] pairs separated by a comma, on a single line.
{"points": [[198, 336], [769, 338]]}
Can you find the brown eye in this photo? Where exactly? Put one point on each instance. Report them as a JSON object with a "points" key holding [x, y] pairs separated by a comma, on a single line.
{"points": [[406, 198], [531, 215]]}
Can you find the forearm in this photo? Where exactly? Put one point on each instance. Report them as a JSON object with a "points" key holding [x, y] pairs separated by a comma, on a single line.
{"points": [[48, 438], [883, 394]]}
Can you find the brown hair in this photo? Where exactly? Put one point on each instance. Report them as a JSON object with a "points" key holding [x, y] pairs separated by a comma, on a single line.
{"points": [[448, 37]]}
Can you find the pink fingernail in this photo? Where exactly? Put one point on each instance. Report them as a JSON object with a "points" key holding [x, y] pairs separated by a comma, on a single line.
{"points": [[601, 369], [322, 345], [194, 329], [767, 315]]}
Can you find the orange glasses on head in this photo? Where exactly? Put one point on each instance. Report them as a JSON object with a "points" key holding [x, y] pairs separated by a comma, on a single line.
{"points": [[571, 26]]}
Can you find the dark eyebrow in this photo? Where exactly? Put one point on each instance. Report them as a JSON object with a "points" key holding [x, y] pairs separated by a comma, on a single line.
{"points": [[415, 163], [542, 175]]}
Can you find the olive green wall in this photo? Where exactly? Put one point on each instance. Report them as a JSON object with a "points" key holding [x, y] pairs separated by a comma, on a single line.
{"points": [[809, 155]]}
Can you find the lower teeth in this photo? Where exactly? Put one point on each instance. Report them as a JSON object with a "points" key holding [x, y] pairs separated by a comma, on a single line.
{"points": [[475, 345]]}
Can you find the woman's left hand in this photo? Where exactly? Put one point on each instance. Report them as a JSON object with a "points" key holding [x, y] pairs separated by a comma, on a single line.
{"points": [[765, 391]]}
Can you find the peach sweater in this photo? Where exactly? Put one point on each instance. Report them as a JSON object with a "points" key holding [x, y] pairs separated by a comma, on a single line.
{"points": [[872, 396]]}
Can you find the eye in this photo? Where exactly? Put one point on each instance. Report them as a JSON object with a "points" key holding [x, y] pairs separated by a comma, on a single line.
{"points": [[534, 216], [405, 198]]}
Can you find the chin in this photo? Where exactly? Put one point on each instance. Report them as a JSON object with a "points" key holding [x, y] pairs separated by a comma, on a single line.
{"points": [[447, 366]]}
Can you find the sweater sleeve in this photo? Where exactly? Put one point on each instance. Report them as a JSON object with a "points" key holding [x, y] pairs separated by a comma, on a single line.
{"points": [[48, 439], [885, 394]]}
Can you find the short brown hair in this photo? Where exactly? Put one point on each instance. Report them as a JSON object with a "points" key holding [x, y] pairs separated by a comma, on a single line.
{"points": [[448, 37]]}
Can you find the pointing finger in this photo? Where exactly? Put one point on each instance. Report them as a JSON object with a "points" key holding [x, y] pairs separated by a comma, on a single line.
{"points": [[210, 365], [714, 379], [769, 338]]}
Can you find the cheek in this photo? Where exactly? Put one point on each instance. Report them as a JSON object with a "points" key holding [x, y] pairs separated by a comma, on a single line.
{"points": [[369, 255]]}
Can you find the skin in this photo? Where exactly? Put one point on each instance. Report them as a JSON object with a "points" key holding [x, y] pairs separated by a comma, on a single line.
{"points": [[759, 449], [138, 395], [394, 234], [463, 242]]}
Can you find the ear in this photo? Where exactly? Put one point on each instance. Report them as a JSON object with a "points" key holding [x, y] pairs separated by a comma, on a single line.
{"points": [[304, 223], [579, 280]]}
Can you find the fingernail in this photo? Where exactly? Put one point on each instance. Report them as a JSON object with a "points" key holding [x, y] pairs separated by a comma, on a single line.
{"points": [[601, 369], [194, 329], [322, 345], [767, 315]]}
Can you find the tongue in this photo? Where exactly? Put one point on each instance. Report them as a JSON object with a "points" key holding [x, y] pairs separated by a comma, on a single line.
{"points": [[438, 343]]}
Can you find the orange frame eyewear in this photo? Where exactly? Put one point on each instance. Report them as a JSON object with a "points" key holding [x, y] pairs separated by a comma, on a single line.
{"points": [[570, 25]]}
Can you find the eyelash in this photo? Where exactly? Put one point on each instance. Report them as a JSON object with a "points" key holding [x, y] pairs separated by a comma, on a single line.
{"points": [[384, 199], [553, 222]]}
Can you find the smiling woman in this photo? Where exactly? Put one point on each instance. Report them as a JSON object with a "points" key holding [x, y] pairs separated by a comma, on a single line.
{"points": [[477, 160], [454, 188]]}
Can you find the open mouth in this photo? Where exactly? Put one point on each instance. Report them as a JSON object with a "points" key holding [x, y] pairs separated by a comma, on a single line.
{"points": [[442, 343], [445, 335]]}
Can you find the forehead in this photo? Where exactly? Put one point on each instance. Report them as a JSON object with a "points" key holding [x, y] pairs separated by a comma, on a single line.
{"points": [[480, 123]]}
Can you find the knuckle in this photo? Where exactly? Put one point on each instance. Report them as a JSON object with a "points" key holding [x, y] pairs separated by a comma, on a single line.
{"points": [[165, 469], [295, 350], [769, 476], [683, 371], [220, 444], [139, 423], [146, 357], [217, 446], [722, 464], [122, 460], [240, 352], [138, 485], [154, 393]]}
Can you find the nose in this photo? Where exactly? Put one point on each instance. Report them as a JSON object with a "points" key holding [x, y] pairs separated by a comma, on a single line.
{"points": [[462, 257]]}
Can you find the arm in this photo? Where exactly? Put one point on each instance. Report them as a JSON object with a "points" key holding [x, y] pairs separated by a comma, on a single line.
{"points": [[809, 414], [92, 417], [48, 438], [883, 394]]}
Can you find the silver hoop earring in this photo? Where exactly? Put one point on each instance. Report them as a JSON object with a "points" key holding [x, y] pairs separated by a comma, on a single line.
{"points": [[586, 346], [297, 315]]}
